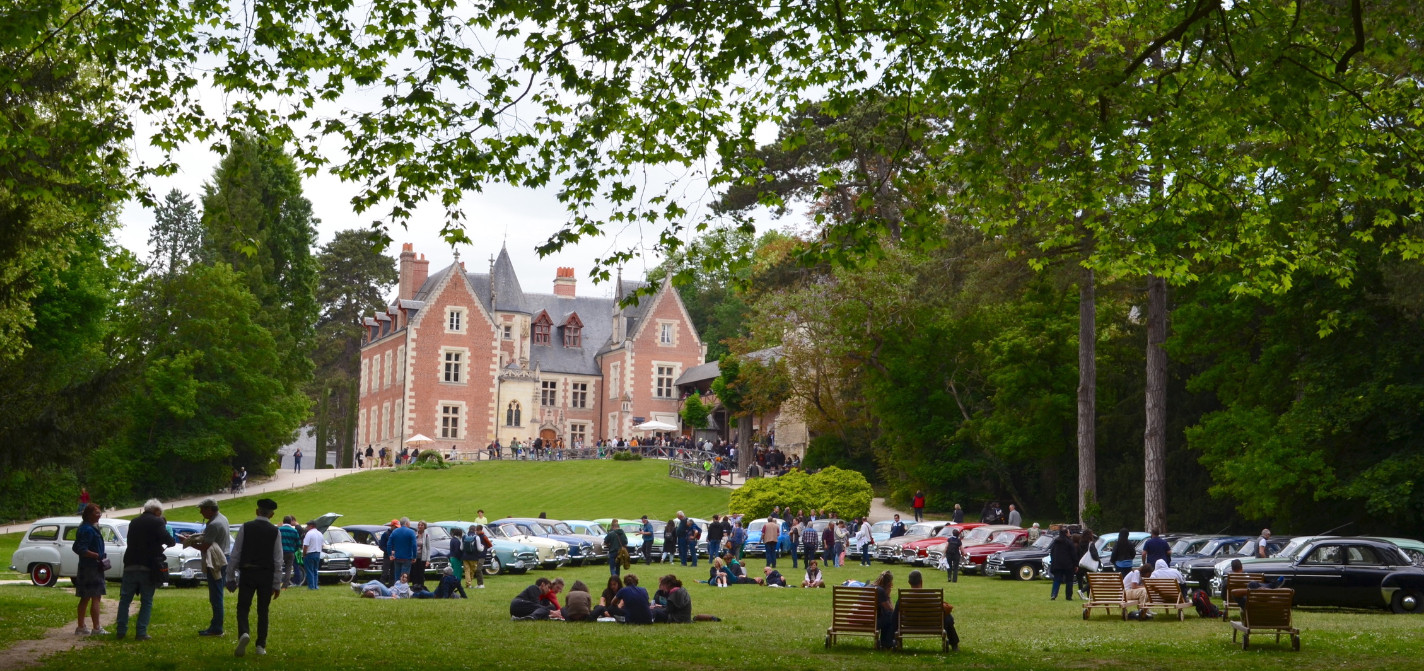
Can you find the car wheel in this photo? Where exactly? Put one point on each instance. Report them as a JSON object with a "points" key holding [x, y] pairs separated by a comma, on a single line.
{"points": [[1026, 572], [493, 567], [519, 571], [44, 575], [1407, 601], [345, 577]]}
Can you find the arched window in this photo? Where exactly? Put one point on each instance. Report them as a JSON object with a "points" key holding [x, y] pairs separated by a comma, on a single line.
{"points": [[511, 416]]}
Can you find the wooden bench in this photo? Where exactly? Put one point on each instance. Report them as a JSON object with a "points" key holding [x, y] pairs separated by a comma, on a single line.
{"points": [[1166, 594], [921, 616], [853, 613], [1104, 591], [1236, 581], [1267, 611]]}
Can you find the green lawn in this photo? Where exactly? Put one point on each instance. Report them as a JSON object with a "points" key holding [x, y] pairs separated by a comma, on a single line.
{"points": [[1003, 624], [568, 489]]}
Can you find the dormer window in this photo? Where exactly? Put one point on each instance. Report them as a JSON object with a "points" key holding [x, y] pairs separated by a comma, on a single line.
{"points": [[542, 327], [573, 330]]}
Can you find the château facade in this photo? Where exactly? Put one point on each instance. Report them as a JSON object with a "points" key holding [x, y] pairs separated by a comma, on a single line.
{"points": [[465, 358]]}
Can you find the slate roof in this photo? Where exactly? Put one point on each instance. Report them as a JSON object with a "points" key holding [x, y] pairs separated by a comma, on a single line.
{"points": [[706, 371]]}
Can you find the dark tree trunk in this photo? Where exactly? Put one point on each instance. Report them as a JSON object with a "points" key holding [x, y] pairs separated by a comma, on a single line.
{"points": [[1155, 437], [745, 458], [323, 425], [1087, 394], [348, 431]]}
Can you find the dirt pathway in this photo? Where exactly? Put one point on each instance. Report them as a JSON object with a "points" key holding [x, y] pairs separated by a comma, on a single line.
{"points": [[27, 654]]}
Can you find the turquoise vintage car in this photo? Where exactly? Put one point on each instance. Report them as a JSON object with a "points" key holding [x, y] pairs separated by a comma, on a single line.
{"points": [[508, 556]]}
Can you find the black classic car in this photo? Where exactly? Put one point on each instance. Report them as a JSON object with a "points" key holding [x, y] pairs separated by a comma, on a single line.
{"points": [[1024, 564], [1349, 572]]}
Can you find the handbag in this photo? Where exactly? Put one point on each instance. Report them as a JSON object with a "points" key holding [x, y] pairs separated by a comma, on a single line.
{"points": [[1123, 563], [1087, 563], [105, 564]]}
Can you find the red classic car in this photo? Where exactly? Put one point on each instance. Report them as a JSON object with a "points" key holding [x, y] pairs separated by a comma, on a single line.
{"points": [[972, 559], [920, 552]]}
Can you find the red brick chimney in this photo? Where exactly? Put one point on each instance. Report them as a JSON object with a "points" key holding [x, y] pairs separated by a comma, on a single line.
{"points": [[564, 283], [413, 271]]}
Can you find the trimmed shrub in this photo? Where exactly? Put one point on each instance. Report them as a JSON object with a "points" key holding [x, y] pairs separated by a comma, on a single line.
{"points": [[845, 493], [625, 455]]}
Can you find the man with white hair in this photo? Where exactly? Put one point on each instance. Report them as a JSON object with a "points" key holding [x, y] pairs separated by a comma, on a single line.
{"points": [[143, 568], [1261, 550]]}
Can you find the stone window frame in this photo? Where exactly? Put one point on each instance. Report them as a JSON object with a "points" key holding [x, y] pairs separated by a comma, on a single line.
{"points": [[578, 431], [513, 414], [400, 364], [672, 380], [615, 371], [365, 373], [578, 398], [458, 315], [460, 417], [464, 365], [548, 393], [668, 327], [390, 372], [385, 421]]}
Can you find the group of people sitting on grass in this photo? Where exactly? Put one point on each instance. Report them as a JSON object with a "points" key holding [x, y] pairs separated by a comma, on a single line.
{"points": [[621, 601], [728, 570]]}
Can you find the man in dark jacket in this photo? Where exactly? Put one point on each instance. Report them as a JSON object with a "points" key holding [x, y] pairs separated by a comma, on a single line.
{"points": [[952, 548], [532, 603], [615, 540], [255, 570], [1062, 562], [143, 568], [715, 530]]}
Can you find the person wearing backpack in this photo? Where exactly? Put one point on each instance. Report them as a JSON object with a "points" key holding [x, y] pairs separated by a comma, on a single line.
{"points": [[474, 546]]}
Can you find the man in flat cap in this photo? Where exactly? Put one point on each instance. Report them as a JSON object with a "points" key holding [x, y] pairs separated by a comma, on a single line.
{"points": [[214, 534], [255, 569]]}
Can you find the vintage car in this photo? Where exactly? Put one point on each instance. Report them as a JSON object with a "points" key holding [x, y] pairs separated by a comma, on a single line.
{"points": [[1349, 572], [371, 534], [579, 548], [880, 531], [973, 557], [365, 559], [633, 526], [1201, 571], [928, 551], [889, 550], [46, 555], [754, 545], [1024, 563], [509, 555], [551, 553], [185, 565], [1196, 547], [1412, 548], [591, 546]]}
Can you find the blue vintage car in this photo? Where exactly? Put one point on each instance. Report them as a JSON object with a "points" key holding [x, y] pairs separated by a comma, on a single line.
{"points": [[581, 549], [508, 555]]}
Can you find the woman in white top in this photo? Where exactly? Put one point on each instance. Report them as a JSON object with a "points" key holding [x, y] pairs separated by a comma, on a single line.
{"points": [[864, 540]]}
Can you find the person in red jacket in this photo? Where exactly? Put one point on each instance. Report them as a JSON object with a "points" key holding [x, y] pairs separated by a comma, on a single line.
{"points": [[918, 503]]}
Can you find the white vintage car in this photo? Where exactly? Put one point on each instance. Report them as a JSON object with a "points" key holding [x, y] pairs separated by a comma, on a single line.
{"points": [[365, 559], [46, 552]]}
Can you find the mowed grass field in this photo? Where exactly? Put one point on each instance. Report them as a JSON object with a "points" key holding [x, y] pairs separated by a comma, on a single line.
{"points": [[1003, 624]]}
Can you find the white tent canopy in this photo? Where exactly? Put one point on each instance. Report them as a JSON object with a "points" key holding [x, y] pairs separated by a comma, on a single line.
{"points": [[655, 426], [419, 439]]}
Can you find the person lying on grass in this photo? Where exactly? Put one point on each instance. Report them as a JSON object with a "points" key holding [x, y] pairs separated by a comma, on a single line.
{"points": [[376, 590], [773, 577]]}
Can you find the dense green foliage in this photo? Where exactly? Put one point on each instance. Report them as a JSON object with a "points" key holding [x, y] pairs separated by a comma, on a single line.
{"points": [[845, 493], [695, 412]]}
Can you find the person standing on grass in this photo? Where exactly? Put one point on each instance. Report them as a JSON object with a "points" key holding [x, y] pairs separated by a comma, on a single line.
{"points": [[739, 538], [683, 530], [89, 584], [475, 546], [457, 554], [297, 461], [614, 542], [291, 541], [216, 534], [670, 540], [255, 570], [1015, 519], [645, 533], [828, 545], [1156, 548], [793, 541], [716, 529], [918, 505], [83, 500], [952, 546], [842, 542], [311, 553], [770, 532], [897, 528], [402, 549], [143, 568], [422, 554], [1063, 563], [864, 541], [958, 516], [480, 517]]}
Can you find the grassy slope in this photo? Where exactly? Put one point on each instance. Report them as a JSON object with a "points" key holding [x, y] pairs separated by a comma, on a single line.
{"points": [[1004, 624], [571, 489]]}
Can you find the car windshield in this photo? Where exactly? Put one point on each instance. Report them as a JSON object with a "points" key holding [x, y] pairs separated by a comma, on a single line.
{"points": [[1190, 546], [1005, 537], [438, 533], [1290, 550], [1043, 542], [338, 535], [976, 535], [511, 530], [922, 529], [881, 527], [533, 529], [561, 528]]}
